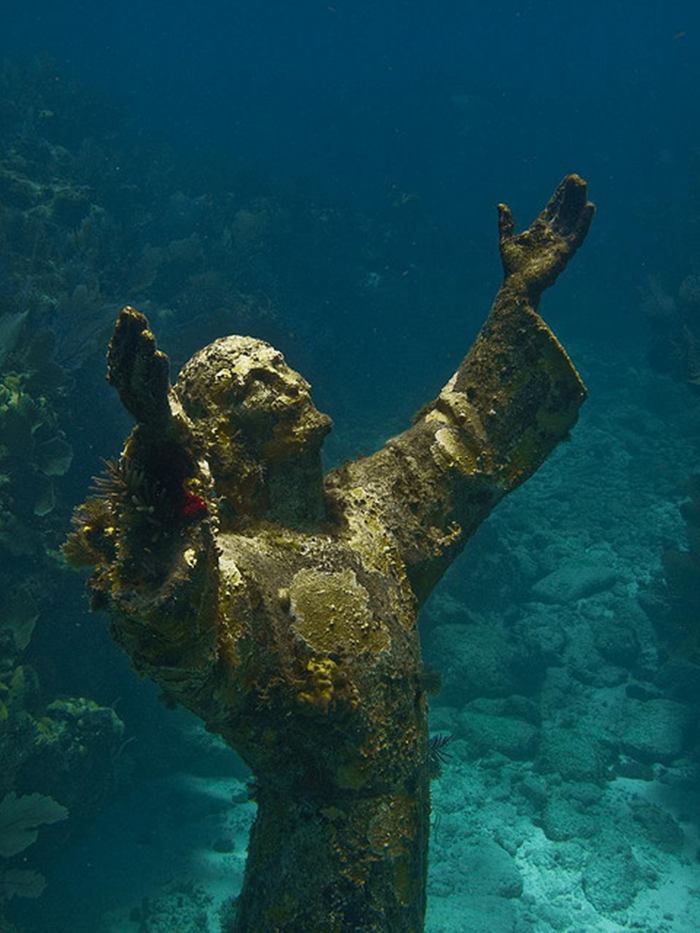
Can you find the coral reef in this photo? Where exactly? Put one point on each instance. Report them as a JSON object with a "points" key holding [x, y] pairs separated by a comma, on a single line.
{"points": [[34, 452], [63, 750]]}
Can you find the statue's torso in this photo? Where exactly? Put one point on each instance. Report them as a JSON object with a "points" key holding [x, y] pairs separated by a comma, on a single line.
{"points": [[324, 625]]}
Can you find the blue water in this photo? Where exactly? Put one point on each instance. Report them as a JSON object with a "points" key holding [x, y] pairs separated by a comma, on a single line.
{"points": [[324, 175]]}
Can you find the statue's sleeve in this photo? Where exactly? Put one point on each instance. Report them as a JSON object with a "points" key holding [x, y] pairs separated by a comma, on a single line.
{"points": [[514, 397]]}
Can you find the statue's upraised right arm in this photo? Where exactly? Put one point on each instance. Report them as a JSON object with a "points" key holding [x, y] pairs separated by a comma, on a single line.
{"points": [[514, 397]]}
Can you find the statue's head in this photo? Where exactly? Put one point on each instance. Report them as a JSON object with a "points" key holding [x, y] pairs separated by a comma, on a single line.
{"points": [[254, 421]]}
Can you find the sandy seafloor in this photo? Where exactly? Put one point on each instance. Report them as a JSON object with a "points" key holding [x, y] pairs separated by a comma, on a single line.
{"points": [[520, 843]]}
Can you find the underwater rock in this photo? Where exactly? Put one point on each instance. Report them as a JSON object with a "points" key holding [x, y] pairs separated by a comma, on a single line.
{"points": [[617, 643], [562, 819], [489, 869], [575, 755], [658, 826], [654, 730], [586, 663], [466, 912], [535, 789], [488, 734], [582, 793], [544, 632], [483, 868], [475, 661], [574, 580], [519, 707], [635, 770], [612, 878], [181, 906], [680, 680], [678, 625]]}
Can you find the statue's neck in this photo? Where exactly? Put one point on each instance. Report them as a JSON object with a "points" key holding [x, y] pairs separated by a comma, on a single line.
{"points": [[294, 491]]}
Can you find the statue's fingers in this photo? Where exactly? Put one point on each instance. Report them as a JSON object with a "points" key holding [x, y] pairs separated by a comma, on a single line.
{"points": [[128, 329], [567, 205], [137, 369], [506, 226], [583, 224], [552, 208]]}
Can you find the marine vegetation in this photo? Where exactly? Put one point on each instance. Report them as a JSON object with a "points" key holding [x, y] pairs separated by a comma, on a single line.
{"points": [[50, 750], [284, 613], [20, 818]]}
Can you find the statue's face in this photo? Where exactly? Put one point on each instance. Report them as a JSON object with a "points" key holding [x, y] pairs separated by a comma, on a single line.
{"points": [[241, 392]]}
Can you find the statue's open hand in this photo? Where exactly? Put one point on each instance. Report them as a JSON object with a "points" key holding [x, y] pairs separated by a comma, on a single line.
{"points": [[540, 253], [138, 370]]}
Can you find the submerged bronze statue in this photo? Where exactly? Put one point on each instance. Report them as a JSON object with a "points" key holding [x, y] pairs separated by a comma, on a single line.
{"points": [[280, 605]]}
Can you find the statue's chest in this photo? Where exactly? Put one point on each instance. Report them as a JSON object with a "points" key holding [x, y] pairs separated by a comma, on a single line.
{"points": [[336, 597]]}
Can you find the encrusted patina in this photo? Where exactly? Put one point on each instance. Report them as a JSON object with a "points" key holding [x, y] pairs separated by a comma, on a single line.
{"points": [[280, 605]]}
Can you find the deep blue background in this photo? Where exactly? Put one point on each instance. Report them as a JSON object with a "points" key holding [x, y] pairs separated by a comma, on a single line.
{"points": [[462, 104]]}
